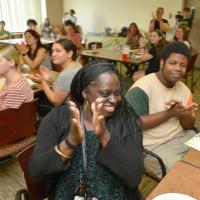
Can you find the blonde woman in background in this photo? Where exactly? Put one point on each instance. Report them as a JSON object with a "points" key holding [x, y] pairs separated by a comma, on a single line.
{"points": [[16, 89]]}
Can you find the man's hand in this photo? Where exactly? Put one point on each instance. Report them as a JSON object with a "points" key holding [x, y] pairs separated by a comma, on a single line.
{"points": [[177, 109]]}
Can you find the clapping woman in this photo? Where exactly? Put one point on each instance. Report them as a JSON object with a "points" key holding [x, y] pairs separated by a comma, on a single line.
{"points": [[33, 52], [64, 55], [93, 146]]}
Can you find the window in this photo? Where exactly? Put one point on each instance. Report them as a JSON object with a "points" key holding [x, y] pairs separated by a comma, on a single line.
{"points": [[15, 13]]}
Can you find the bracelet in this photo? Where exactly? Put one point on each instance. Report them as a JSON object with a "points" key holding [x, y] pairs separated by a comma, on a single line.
{"points": [[70, 145], [60, 153]]}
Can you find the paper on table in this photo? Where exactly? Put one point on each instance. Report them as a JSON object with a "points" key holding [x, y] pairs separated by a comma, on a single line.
{"points": [[174, 196], [194, 142], [31, 83]]}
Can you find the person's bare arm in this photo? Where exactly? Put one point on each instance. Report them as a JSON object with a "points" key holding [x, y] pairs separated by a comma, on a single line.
{"points": [[35, 63], [153, 120], [57, 96], [163, 26]]}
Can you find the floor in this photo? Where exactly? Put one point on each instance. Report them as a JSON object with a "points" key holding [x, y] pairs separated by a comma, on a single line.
{"points": [[11, 176]]}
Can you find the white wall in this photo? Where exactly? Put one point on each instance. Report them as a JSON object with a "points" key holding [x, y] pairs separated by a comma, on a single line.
{"points": [[95, 15]]}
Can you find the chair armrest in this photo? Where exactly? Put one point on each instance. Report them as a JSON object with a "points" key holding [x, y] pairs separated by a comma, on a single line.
{"points": [[196, 130], [22, 194], [162, 165]]}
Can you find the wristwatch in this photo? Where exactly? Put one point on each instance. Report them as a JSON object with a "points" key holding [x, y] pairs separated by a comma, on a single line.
{"points": [[70, 145]]}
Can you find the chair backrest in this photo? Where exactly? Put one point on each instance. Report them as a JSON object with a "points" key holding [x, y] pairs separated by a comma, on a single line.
{"points": [[192, 62], [18, 123], [99, 45], [36, 191]]}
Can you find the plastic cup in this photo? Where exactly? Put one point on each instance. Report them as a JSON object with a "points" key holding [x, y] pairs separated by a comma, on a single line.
{"points": [[124, 56], [94, 47]]}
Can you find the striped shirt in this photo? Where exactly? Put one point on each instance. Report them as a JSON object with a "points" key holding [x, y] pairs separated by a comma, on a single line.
{"points": [[15, 94]]}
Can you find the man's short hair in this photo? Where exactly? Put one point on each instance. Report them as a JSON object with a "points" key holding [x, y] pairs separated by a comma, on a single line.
{"points": [[2, 22], [175, 47], [31, 21]]}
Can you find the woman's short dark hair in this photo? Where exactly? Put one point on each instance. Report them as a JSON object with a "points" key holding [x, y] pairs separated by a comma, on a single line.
{"points": [[69, 23], [175, 47], [68, 45], [123, 121], [3, 22], [31, 21], [72, 11]]}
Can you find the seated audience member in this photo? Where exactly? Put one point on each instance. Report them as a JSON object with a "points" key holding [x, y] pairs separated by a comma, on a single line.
{"points": [[151, 55], [3, 33], [186, 18], [181, 35], [16, 89], [132, 40], [71, 34], [46, 28], [57, 32], [133, 36], [32, 25], [99, 149], [64, 55], [165, 106], [33, 52], [158, 22], [70, 17]]}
